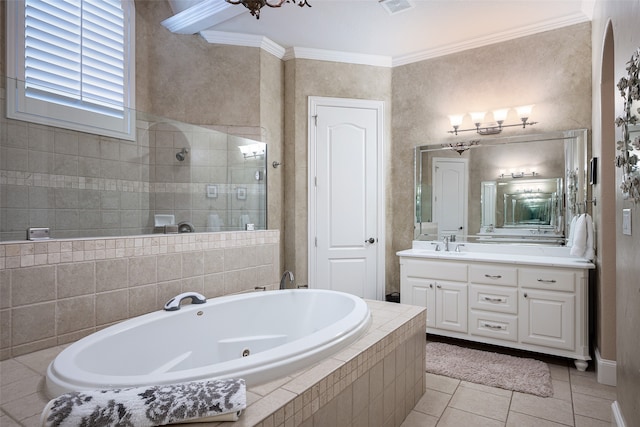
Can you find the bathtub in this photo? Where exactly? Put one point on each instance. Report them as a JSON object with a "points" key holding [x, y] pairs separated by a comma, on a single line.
{"points": [[257, 336]]}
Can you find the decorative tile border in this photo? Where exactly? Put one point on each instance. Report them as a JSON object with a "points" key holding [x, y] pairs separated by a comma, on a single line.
{"points": [[56, 251]]}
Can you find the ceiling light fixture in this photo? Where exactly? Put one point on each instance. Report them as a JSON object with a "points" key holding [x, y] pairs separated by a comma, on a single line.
{"points": [[462, 146], [254, 6], [495, 127]]}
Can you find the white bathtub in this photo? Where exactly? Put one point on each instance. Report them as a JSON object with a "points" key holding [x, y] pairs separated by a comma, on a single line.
{"points": [[283, 331]]}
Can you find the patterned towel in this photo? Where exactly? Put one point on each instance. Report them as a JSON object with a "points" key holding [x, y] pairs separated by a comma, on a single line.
{"points": [[215, 400]]}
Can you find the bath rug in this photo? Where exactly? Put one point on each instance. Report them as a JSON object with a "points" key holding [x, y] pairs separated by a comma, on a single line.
{"points": [[491, 369], [197, 401]]}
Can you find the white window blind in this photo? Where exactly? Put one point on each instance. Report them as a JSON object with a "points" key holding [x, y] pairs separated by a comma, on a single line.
{"points": [[73, 63]]}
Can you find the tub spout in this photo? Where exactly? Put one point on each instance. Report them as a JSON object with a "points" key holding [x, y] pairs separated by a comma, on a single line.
{"points": [[284, 279], [174, 303]]}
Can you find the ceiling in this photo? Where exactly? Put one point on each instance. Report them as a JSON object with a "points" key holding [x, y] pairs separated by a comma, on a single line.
{"points": [[363, 28]]}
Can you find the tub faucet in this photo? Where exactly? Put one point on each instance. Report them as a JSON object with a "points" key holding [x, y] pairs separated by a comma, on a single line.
{"points": [[174, 303], [284, 279]]}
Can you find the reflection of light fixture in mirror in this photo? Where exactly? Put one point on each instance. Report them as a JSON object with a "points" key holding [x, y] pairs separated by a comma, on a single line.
{"points": [[499, 116], [462, 146], [252, 150], [516, 175], [254, 6]]}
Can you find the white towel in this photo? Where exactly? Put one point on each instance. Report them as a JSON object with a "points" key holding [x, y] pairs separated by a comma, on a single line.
{"points": [[583, 238], [572, 230], [214, 222], [197, 401]]}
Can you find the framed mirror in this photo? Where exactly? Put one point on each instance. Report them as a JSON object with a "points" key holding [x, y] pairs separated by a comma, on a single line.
{"points": [[520, 189]]}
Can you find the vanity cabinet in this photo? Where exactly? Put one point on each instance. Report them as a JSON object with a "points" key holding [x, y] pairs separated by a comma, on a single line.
{"points": [[530, 307], [442, 289]]}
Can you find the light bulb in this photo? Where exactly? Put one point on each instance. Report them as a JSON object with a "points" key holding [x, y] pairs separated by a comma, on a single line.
{"points": [[456, 119], [477, 117], [500, 115], [524, 111]]}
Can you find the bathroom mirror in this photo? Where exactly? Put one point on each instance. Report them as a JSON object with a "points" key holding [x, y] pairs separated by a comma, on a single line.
{"points": [[198, 178], [518, 188]]}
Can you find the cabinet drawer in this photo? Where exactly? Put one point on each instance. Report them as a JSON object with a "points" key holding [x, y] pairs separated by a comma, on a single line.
{"points": [[545, 278], [493, 298], [494, 325], [493, 275], [440, 270]]}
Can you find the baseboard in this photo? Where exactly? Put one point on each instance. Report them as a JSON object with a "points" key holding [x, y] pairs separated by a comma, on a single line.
{"points": [[616, 415], [605, 370]]}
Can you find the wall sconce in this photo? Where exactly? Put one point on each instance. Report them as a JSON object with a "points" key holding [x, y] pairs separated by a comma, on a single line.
{"points": [[499, 116], [252, 150]]}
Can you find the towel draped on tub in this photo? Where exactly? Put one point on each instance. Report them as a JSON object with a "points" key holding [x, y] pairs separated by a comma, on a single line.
{"points": [[197, 401]]}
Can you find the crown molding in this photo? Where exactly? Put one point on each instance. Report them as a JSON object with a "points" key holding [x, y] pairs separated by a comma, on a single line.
{"points": [[576, 18], [238, 39], [201, 16], [248, 40], [337, 56]]}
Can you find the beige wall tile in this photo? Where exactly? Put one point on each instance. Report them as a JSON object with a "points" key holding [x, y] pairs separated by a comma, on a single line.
{"points": [[214, 261], [213, 285], [168, 290], [111, 274], [32, 285], [75, 314], [5, 328], [5, 289], [142, 270], [76, 279], [192, 264], [169, 267], [143, 299], [239, 281], [33, 323], [239, 258], [112, 306]]}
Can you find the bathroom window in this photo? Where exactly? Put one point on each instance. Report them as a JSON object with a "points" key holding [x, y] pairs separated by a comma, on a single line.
{"points": [[71, 64]]}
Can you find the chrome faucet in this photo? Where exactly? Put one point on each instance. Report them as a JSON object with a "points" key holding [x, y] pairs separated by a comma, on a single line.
{"points": [[284, 278], [174, 303], [446, 243]]}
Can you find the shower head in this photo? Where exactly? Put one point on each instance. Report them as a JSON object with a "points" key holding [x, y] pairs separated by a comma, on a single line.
{"points": [[182, 154]]}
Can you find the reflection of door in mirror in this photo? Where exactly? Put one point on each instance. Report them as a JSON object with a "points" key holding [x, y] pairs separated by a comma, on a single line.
{"points": [[450, 195], [488, 193]]}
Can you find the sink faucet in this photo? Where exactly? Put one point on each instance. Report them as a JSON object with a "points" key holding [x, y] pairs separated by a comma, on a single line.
{"points": [[284, 278], [174, 303], [446, 243]]}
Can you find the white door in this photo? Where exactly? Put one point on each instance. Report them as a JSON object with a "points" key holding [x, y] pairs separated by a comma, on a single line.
{"points": [[346, 201], [450, 195]]}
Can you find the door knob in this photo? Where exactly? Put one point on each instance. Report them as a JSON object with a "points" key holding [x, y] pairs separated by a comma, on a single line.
{"points": [[370, 240]]}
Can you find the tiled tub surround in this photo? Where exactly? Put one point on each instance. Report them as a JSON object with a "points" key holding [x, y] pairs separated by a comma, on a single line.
{"points": [[57, 291], [376, 381]]}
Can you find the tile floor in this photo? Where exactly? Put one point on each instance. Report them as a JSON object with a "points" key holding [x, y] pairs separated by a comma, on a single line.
{"points": [[579, 400]]}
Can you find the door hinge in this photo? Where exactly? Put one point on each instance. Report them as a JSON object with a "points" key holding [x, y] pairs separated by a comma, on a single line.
{"points": [[316, 242], [315, 120], [315, 181]]}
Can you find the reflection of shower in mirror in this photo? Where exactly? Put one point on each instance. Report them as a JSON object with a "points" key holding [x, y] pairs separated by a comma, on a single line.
{"points": [[182, 154]]}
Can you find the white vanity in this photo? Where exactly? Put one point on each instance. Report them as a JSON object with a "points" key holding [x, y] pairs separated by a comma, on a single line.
{"points": [[528, 297]]}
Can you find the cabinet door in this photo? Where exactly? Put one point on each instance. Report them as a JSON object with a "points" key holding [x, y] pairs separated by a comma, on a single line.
{"points": [[422, 292], [451, 306], [547, 318]]}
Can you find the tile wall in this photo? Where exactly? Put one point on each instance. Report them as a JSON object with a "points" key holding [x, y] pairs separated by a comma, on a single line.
{"points": [[55, 292]]}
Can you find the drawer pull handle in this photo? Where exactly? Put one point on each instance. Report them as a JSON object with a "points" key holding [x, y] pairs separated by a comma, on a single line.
{"points": [[430, 285], [546, 281], [490, 326], [490, 276], [439, 286], [493, 299]]}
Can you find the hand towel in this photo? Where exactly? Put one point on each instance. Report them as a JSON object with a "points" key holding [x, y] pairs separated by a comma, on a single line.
{"points": [[583, 238], [214, 222], [572, 230], [197, 401]]}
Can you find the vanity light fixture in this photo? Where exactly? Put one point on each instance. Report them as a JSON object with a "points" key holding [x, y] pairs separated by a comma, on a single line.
{"points": [[495, 127], [252, 150], [516, 175], [254, 6]]}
